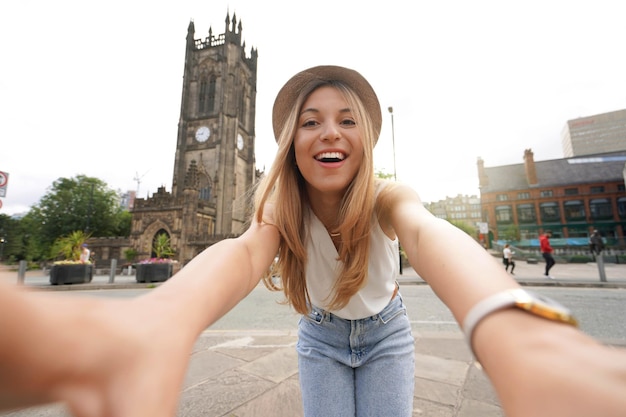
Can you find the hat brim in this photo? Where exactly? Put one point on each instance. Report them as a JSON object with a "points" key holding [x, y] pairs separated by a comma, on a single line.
{"points": [[288, 94]]}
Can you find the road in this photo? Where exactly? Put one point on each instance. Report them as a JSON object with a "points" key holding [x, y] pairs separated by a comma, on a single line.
{"points": [[599, 310]]}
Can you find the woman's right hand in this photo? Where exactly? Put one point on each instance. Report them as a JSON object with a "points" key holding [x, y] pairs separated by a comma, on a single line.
{"points": [[103, 358]]}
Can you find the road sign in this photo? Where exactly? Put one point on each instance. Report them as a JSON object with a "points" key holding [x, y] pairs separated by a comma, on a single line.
{"points": [[4, 180]]}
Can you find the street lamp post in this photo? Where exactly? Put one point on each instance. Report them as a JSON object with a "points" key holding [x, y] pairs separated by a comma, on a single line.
{"points": [[395, 178], [2, 242], [393, 144]]}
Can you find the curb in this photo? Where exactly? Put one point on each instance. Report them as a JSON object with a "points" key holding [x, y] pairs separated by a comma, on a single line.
{"points": [[401, 280]]}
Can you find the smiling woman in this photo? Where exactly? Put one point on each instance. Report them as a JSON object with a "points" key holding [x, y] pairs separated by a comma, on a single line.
{"points": [[327, 138], [336, 229]]}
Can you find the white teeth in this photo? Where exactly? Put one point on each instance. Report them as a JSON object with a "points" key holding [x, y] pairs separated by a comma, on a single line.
{"points": [[330, 155]]}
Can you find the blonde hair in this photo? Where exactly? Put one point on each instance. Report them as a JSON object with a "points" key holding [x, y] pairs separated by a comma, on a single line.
{"points": [[284, 187]]}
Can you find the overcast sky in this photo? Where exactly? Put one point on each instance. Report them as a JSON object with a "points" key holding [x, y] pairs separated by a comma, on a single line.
{"points": [[94, 87]]}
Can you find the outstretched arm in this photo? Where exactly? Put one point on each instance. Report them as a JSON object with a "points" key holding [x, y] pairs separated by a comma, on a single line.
{"points": [[119, 358], [217, 279], [538, 367]]}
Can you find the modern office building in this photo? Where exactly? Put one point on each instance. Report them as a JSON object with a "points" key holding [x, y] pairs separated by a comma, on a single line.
{"points": [[595, 134], [570, 196]]}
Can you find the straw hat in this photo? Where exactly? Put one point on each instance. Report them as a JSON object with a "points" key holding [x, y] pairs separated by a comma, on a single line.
{"points": [[287, 95]]}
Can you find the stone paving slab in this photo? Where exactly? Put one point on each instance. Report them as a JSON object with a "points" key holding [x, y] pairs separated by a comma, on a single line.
{"points": [[254, 374]]}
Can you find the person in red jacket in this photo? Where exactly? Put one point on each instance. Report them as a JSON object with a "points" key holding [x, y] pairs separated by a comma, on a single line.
{"points": [[546, 251]]}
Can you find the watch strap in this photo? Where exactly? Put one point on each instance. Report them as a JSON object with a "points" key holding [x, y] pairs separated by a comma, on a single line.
{"points": [[483, 308], [519, 298]]}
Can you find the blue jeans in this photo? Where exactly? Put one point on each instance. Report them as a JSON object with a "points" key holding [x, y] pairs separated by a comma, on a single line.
{"points": [[357, 368]]}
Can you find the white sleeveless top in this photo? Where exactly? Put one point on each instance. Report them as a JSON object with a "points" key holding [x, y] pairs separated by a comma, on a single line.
{"points": [[322, 269]]}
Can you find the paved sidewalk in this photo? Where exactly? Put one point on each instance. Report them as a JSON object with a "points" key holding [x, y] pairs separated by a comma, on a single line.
{"points": [[570, 275], [581, 275], [255, 373]]}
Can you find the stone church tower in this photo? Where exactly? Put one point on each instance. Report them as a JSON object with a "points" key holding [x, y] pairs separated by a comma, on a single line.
{"points": [[214, 165]]}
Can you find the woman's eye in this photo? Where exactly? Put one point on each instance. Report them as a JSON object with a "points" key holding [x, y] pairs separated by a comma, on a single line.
{"points": [[309, 123], [349, 122]]}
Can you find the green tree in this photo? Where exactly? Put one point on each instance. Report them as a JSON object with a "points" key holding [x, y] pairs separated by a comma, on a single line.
{"points": [[510, 234], [469, 229], [79, 203], [8, 233], [124, 223]]}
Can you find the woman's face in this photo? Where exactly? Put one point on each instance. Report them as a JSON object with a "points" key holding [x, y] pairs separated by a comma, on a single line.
{"points": [[327, 143]]}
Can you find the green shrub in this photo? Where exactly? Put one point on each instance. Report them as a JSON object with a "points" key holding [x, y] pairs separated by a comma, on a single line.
{"points": [[579, 259]]}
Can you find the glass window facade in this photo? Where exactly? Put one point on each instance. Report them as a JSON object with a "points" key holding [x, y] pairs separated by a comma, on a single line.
{"points": [[600, 208], [621, 207], [550, 212], [574, 210], [526, 213], [504, 214]]}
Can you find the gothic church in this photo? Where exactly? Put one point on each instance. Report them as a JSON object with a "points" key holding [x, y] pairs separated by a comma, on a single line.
{"points": [[214, 167]]}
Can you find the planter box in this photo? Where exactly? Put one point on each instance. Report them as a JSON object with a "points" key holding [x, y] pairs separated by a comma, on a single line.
{"points": [[71, 274], [153, 272]]}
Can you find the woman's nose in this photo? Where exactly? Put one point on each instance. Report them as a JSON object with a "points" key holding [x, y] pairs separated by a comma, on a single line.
{"points": [[330, 132]]}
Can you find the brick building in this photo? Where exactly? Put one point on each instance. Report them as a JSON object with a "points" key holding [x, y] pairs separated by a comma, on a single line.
{"points": [[570, 196]]}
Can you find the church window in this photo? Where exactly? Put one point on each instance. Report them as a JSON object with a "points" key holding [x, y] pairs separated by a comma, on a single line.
{"points": [[202, 97], [205, 193], [242, 108], [211, 95], [206, 95]]}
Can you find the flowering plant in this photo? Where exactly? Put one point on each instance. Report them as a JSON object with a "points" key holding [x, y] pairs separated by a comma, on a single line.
{"points": [[158, 261], [162, 249], [71, 262]]}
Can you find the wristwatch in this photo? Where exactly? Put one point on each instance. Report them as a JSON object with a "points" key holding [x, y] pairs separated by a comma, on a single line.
{"points": [[516, 298]]}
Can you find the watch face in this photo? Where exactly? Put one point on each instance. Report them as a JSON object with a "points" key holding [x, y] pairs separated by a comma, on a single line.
{"points": [[239, 142], [543, 306], [202, 134]]}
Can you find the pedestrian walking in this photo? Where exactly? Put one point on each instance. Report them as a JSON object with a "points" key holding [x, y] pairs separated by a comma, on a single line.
{"points": [[596, 243], [507, 258], [546, 251]]}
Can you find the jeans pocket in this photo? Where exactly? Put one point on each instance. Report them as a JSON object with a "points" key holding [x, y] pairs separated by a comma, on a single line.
{"points": [[395, 308]]}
